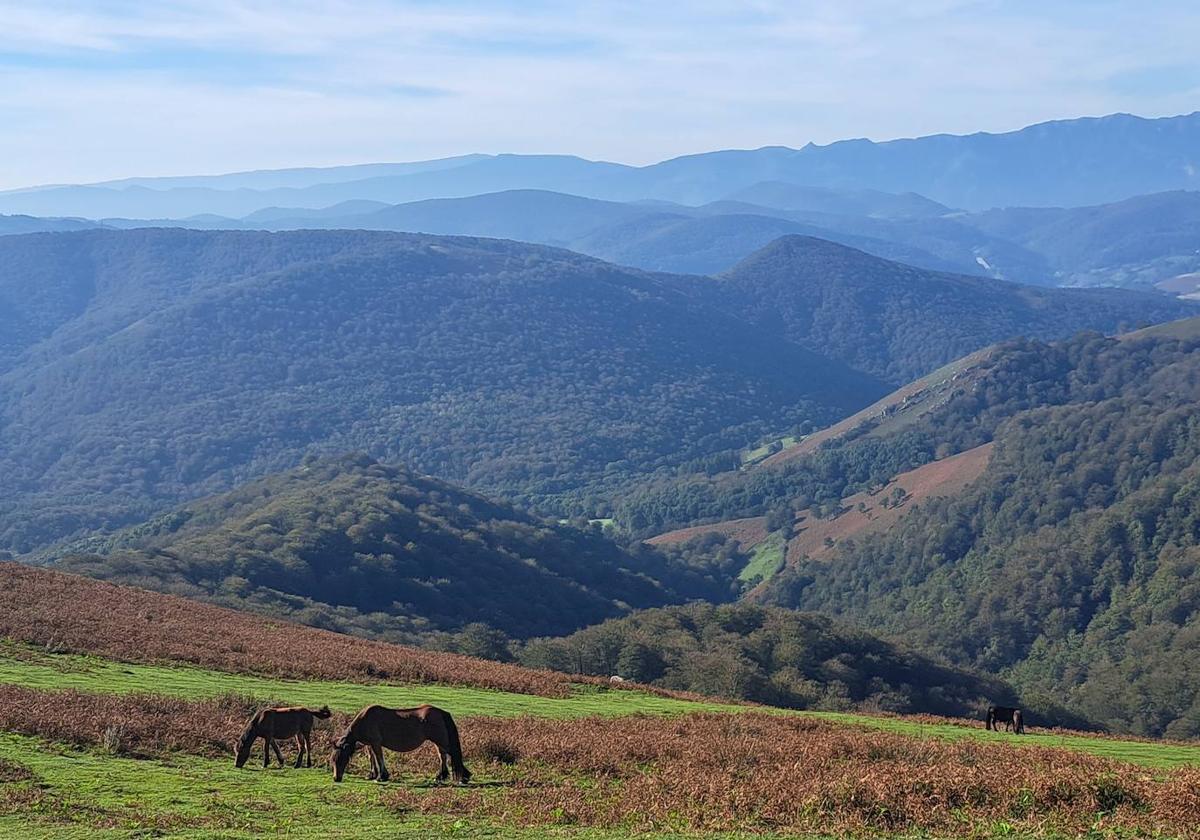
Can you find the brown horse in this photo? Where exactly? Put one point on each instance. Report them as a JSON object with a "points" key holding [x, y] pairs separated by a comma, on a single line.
{"points": [[1011, 718], [402, 730], [288, 722]]}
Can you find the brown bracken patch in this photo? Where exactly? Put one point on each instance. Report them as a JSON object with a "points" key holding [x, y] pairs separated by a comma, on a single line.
{"points": [[69, 613], [744, 771]]}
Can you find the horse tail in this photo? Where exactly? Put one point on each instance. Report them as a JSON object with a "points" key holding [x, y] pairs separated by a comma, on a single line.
{"points": [[991, 716], [1018, 722], [323, 713], [454, 747]]}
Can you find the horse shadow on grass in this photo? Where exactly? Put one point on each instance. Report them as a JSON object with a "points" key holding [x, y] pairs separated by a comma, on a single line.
{"points": [[494, 783]]}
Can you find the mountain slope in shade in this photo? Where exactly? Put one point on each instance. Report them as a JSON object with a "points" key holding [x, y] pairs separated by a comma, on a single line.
{"points": [[900, 322], [1137, 242], [528, 215], [716, 242], [153, 366], [34, 224], [657, 236], [871, 203], [352, 544]]}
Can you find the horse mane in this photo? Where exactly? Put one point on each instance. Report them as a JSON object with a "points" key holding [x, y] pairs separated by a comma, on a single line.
{"points": [[248, 734]]}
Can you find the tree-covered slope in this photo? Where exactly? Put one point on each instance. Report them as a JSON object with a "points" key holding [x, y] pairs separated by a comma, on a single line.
{"points": [[900, 322], [780, 657], [352, 544], [1137, 242], [140, 368], [1069, 565]]}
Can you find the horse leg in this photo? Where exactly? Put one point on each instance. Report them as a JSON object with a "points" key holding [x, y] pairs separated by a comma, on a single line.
{"points": [[278, 754], [299, 750], [444, 773], [377, 752], [307, 749]]}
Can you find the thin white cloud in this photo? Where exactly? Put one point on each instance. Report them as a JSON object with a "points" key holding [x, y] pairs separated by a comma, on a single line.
{"points": [[102, 90]]}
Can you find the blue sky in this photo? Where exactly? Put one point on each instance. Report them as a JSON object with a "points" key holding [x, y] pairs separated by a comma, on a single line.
{"points": [[97, 90]]}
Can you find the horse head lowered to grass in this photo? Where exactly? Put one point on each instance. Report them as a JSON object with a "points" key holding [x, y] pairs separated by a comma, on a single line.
{"points": [[1012, 718], [271, 724], [402, 730]]}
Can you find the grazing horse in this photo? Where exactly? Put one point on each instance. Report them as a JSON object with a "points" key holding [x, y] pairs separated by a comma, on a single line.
{"points": [[1012, 719], [269, 724], [402, 730]]}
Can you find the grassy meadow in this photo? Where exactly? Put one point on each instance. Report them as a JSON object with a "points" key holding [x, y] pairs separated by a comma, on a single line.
{"points": [[118, 709]]}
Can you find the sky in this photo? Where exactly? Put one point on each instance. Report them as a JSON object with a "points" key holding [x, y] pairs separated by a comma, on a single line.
{"points": [[107, 89]]}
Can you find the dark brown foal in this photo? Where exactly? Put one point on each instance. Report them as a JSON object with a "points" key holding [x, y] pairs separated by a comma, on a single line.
{"points": [[270, 724]]}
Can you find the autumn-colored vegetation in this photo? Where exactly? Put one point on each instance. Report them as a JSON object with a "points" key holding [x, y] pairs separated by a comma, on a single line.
{"points": [[698, 772], [70, 613]]}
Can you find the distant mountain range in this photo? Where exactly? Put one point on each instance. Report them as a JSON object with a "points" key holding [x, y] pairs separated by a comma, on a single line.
{"points": [[1063, 163], [1138, 242]]}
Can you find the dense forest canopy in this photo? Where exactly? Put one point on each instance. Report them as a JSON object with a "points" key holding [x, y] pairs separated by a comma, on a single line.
{"points": [[355, 545], [781, 657], [141, 368], [1068, 566], [899, 322]]}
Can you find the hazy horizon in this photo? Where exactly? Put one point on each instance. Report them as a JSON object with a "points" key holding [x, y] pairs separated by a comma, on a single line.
{"points": [[99, 91]]}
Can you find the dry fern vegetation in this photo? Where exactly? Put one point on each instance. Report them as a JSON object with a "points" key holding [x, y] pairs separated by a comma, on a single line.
{"points": [[101, 760]]}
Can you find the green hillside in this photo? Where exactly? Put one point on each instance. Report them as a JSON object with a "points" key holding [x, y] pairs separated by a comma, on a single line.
{"points": [[355, 545], [85, 751], [141, 368], [1067, 567], [772, 656], [899, 322]]}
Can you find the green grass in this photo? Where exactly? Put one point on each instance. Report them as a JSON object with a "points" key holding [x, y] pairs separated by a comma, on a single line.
{"points": [[32, 667], [89, 795], [1149, 753], [761, 453], [765, 560], [27, 666]]}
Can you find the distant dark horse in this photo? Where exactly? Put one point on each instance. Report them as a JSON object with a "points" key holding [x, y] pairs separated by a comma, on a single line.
{"points": [[269, 724], [402, 730], [1012, 719]]}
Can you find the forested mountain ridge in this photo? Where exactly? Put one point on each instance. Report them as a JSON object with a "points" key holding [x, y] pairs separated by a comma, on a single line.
{"points": [[899, 322], [1068, 566], [354, 545], [141, 368], [1134, 243]]}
